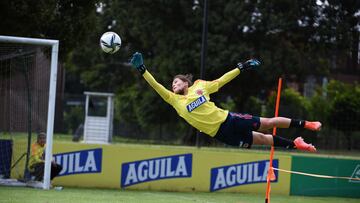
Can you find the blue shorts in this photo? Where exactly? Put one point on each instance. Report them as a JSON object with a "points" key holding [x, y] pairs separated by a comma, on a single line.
{"points": [[237, 129]]}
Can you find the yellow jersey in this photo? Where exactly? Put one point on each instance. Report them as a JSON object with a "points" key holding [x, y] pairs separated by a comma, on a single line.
{"points": [[37, 153], [196, 107]]}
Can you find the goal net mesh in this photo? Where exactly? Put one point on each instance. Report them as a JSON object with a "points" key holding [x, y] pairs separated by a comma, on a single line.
{"points": [[24, 96]]}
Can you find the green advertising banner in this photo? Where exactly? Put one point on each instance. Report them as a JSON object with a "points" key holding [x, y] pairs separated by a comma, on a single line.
{"points": [[314, 186]]}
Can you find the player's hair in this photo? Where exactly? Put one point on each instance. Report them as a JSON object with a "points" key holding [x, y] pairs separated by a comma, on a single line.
{"points": [[185, 78], [41, 134]]}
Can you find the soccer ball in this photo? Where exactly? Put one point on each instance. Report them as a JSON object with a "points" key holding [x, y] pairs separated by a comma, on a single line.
{"points": [[110, 42]]}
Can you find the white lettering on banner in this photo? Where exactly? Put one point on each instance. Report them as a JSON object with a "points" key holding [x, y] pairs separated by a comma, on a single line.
{"points": [[181, 167], [131, 176], [142, 176], [153, 173], [70, 163], [154, 169], [241, 178], [90, 164], [86, 161], [220, 179], [258, 178], [230, 177], [162, 171], [356, 174], [240, 174], [77, 162]]}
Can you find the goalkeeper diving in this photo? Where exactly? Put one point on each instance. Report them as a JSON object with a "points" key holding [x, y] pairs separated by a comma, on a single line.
{"points": [[192, 102]]}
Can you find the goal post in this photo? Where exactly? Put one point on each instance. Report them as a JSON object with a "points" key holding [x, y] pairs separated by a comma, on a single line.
{"points": [[54, 44]]}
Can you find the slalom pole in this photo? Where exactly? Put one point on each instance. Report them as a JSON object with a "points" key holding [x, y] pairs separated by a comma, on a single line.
{"points": [[271, 174]]}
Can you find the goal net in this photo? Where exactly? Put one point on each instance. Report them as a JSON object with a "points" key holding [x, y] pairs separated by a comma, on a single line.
{"points": [[27, 100]]}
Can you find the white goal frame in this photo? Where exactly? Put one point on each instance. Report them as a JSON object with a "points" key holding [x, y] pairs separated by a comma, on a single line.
{"points": [[54, 44]]}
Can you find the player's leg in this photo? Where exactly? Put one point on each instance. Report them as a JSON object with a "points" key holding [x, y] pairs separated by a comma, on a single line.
{"points": [[38, 171], [55, 170], [262, 139], [277, 141], [282, 122]]}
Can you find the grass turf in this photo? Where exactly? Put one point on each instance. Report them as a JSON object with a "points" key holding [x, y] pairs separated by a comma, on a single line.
{"points": [[79, 195]]}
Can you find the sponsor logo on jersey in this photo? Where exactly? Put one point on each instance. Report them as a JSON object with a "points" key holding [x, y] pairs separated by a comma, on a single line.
{"points": [[241, 174], [85, 161], [198, 102], [199, 92], [178, 166]]}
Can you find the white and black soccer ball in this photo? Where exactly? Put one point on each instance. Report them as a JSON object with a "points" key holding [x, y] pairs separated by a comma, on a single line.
{"points": [[110, 42]]}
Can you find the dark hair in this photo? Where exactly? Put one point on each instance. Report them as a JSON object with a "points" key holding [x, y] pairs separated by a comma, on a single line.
{"points": [[185, 78], [41, 134]]}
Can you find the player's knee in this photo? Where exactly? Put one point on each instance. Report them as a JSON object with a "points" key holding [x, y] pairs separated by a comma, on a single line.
{"points": [[263, 139], [267, 139], [271, 122], [268, 123]]}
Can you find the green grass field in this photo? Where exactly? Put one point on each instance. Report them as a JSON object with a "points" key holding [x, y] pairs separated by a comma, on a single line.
{"points": [[79, 195]]}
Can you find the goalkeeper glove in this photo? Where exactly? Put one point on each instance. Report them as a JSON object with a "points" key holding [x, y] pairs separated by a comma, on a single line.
{"points": [[249, 64], [138, 62]]}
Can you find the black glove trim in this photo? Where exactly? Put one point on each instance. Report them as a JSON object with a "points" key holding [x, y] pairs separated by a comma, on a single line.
{"points": [[141, 69], [240, 66]]}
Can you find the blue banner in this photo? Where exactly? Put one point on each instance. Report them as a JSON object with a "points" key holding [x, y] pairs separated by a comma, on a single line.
{"points": [[85, 161], [241, 174], [177, 166]]}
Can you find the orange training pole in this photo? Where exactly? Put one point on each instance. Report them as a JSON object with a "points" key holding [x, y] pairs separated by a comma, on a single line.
{"points": [[271, 175]]}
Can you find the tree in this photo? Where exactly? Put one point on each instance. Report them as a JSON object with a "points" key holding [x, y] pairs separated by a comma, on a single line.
{"points": [[289, 37], [344, 113], [292, 105], [339, 28], [69, 21]]}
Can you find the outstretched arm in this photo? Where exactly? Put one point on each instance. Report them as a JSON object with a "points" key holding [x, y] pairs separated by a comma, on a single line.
{"points": [[137, 61], [227, 77], [161, 90]]}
